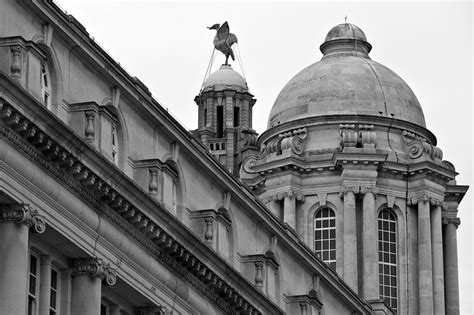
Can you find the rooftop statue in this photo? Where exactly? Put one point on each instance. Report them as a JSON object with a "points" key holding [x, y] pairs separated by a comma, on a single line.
{"points": [[224, 40]]}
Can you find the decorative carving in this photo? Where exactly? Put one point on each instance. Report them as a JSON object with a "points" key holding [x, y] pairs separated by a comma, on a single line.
{"points": [[23, 214], [452, 220], [249, 137], [224, 40], [96, 268], [346, 189], [357, 136], [348, 135], [153, 184], [209, 235], [366, 189], [290, 194], [90, 129], [15, 66], [259, 275], [367, 136], [418, 145], [426, 198]]}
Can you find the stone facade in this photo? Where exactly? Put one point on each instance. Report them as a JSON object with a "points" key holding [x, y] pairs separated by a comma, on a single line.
{"points": [[109, 206]]}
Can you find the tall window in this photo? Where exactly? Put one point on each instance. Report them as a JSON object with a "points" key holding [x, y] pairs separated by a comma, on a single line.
{"points": [[325, 236], [45, 86], [114, 145], [33, 282], [388, 258], [53, 299]]}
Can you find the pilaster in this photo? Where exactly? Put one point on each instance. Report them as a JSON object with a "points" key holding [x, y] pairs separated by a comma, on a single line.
{"points": [[350, 238], [437, 255], [369, 245], [451, 282]]}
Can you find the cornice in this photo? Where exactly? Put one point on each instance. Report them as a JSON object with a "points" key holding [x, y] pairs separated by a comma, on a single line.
{"points": [[455, 192]]}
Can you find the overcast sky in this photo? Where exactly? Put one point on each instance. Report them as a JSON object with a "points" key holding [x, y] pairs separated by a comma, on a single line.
{"points": [[429, 44]]}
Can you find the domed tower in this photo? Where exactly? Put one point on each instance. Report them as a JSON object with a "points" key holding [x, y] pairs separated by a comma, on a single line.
{"points": [[225, 117], [348, 165]]}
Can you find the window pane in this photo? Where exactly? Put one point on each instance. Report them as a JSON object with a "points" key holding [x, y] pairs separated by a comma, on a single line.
{"points": [[325, 235], [52, 302], [33, 263], [54, 279], [32, 285], [387, 257]]}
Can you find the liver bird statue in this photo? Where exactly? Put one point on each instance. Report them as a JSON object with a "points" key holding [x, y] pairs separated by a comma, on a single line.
{"points": [[224, 40]]}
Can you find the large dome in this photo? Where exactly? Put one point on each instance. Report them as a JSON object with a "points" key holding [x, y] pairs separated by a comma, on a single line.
{"points": [[346, 82], [224, 78]]}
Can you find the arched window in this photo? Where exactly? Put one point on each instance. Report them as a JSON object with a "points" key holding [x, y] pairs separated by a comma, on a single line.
{"points": [[45, 85], [325, 236], [388, 258], [115, 145]]}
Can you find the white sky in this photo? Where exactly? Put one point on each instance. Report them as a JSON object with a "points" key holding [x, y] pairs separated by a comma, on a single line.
{"points": [[429, 44]]}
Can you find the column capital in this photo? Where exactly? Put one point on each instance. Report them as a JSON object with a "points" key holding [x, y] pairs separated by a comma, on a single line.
{"points": [[22, 213], [348, 189], [452, 220], [414, 200], [95, 267], [369, 189]]}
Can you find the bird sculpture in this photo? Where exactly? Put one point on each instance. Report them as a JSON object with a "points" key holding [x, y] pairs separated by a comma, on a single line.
{"points": [[224, 40]]}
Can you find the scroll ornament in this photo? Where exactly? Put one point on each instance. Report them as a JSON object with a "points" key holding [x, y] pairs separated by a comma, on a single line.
{"points": [[249, 137], [360, 136], [23, 214], [293, 140], [418, 145], [95, 267]]}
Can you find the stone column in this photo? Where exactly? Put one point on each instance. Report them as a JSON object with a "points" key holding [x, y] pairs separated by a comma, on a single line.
{"points": [[437, 255], [451, 284], [350, 239], [45, 285], [15, 220], [425, 275], [369, 245], [88, 274], [289, 210], [65, 291]]}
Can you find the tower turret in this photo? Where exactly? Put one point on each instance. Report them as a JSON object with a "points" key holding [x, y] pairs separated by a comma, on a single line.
{"points": [[225, 116]]}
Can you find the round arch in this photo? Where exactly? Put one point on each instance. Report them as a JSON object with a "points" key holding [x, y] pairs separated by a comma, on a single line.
{"points": [[54, 69]]}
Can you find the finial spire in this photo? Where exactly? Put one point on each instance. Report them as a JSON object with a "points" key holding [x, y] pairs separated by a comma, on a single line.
{"points": [[345, 19]]}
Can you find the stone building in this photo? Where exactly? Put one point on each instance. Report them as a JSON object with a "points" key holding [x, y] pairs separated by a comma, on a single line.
{"points": [[109, 206]]}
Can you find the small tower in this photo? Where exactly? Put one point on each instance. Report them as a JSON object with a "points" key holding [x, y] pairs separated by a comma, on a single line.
{"points": [[225, 117]]}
